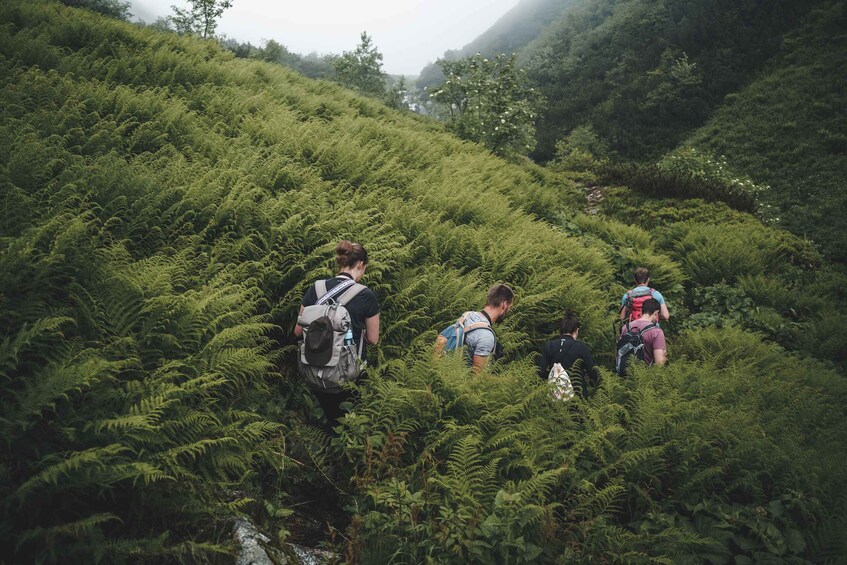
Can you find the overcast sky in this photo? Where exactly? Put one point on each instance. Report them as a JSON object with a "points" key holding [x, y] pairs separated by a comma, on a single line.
{"points": [[409, 33]]}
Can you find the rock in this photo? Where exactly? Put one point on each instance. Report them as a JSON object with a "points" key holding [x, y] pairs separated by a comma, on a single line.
{"points": [[311, 556], [251, 550], [249, 540]]}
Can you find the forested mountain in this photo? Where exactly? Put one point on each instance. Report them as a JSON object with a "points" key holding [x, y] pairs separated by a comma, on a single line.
{"points": [[788, 129], [768, 77], [511, 33], [644, 73], [165, 206], [764, 80]]}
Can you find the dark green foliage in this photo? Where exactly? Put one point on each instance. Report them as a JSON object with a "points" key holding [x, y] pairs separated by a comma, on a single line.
{"points": [[111, 8], [682, 465], [312, 65], [738, 271], [758, 83], [644, 74], [200, 18], [786, 129], [165, 205], [361, 68]]}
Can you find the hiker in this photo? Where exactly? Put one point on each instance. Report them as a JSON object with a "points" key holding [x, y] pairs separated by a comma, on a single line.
{"points": [[362, 306], [633, 300], [475, 331], [566, 350], [642, 338]]}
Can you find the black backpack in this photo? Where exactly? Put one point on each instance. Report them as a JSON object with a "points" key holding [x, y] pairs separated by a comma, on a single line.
{"points": [[630, 343]]}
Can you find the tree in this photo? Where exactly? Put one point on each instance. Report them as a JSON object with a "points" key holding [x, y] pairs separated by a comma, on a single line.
{"points": [[395, 96], [162, 24], [361, 69], [581, 150], [489, 101], [201, 18], [112, 8], [275, 52]]}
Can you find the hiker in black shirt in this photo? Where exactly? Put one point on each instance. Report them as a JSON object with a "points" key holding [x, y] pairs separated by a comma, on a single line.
{"points": [[566, 350], [351, 260]]}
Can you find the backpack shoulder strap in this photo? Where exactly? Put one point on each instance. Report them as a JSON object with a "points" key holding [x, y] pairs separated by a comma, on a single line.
{"points": [[647, 327], [351, 293], [484, 324], [334, 292], [478, 326], [320, 288]]}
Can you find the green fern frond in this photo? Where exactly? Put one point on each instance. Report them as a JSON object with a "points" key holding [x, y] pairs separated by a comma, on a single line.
{"points": [[594, 501], [68, 465], [12, 346], [84, 527]]}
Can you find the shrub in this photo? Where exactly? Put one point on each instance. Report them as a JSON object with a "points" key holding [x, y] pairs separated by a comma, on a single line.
{"points": [[659, 182]]}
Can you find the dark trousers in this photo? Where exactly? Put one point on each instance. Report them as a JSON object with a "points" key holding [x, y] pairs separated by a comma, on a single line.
{"points": [[331, 405]]}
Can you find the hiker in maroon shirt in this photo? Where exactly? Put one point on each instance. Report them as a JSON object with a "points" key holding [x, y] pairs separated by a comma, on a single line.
{"points": [[655, 347]]}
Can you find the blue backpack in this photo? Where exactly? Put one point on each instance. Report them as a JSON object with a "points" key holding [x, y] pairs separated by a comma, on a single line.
{"points": [[452, 338]]}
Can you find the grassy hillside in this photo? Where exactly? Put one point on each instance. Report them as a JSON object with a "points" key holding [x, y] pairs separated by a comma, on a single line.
{"points": [[166, 205], [788, 130]]}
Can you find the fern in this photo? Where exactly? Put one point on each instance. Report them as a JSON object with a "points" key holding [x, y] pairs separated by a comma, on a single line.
{"points": [[165, 209]]}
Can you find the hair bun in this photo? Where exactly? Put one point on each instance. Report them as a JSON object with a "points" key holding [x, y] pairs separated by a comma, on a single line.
{"points": [[344, 248], [347, 254]]}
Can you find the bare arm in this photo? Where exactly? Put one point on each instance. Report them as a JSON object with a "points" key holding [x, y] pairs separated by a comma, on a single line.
{"points": [[480, 362], [660, 357], [298, 331], [372, 329], [622, 313], [663, 311]]}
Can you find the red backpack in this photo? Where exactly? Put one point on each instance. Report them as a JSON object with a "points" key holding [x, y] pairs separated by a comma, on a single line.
{"points": [[634, 300]]}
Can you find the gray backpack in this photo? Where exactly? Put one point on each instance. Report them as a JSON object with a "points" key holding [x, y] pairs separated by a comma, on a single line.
{"points": [[326, 359]]}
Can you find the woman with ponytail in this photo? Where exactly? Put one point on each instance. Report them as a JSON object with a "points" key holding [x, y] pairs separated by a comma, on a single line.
{"points": [[351, 260], [567, 350]]}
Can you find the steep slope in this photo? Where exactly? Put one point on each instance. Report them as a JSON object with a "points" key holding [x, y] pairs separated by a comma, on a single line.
{"points": [[759, 83], [643, 74], [788, 130], [166, 205]]}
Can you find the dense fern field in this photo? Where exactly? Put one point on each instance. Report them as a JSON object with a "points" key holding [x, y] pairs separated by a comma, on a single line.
{"points": [[166, 205]]}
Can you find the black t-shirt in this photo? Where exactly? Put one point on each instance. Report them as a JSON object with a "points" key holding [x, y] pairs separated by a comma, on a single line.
{"points": [[565, 350], [364, 305]]}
